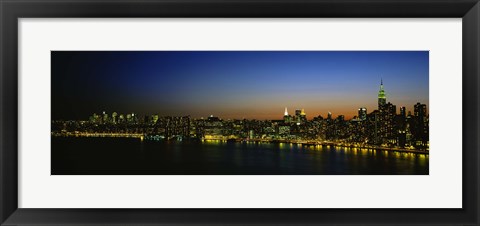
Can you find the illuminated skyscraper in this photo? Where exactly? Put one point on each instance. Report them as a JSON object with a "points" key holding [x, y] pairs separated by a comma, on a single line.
{"points": [[362, 114], [104, 117], [420, 110], [300, 116], [298, 112], [303, 116], [402, 127], [114, 117], [286, 117], [403, 112], [154, 119], [382, 97], [421, 124], [390, 130]]}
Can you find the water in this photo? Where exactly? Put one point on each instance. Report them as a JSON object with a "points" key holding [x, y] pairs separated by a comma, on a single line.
{"points": [[129, 156]]}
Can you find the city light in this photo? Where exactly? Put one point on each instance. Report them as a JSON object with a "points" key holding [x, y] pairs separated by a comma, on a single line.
{"points": [[381, 129]]}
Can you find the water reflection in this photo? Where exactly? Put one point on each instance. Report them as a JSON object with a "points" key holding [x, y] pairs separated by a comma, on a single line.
{"points": [[130, 156]]}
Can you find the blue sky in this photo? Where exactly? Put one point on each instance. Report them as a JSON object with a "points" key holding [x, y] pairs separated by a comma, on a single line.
{"points": [[234, 84]]}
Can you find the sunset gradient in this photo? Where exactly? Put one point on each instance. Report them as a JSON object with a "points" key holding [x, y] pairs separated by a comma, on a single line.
{"points": [[234, 84]]}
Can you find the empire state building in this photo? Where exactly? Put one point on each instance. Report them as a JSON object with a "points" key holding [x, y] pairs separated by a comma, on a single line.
{"points": [[382, 97]]}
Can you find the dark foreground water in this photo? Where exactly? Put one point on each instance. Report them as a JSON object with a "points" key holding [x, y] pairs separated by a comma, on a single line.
{"points": [[129, 156]]}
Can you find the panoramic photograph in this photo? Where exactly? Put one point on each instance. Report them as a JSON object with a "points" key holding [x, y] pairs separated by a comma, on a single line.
{"points": [[240, 113]]}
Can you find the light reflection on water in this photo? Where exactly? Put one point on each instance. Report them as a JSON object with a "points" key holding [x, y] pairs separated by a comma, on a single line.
{"points": [[130, 156], [404, 162]]}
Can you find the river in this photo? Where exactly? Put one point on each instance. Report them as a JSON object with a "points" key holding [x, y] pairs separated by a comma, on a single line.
{"points": [[130, 156]]}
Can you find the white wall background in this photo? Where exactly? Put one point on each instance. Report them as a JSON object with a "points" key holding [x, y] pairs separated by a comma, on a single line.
{"points": [[441, 189]]}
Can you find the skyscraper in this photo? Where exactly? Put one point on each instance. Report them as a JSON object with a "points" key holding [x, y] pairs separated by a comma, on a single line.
{"points": [[298, 112], [421, 124], [390, 130], [382, 97], [114, 117], [286, 117], [362, 114], [420, 110], [402, 127], [104, 117], [303, 116], [403, 112]]}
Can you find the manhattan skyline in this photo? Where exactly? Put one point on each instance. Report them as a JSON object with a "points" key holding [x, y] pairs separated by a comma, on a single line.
{"points": [[234, 84]]}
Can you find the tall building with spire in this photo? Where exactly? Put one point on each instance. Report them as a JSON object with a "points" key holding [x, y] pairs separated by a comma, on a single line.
{"points": [[286, 117], [303, 116], [300, 116], [382, 97]]}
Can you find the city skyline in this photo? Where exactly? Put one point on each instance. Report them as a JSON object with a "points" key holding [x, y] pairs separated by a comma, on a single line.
{"points": [[279, 116], [237, 86]]}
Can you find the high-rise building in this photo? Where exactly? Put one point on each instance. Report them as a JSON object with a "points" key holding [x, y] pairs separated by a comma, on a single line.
{"points": [[420, 110], [114, 117], [95, 118], [298, 113], [104, 117], [362, 114], [402, 127], [421, 124], [286, 117], [154, 119], [402, 118], [403, 112], [303, 117], [390, 129], [382, 97], [340, 118]]}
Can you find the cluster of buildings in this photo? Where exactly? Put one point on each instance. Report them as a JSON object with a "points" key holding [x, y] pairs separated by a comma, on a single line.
{"points": [[380, 127]]}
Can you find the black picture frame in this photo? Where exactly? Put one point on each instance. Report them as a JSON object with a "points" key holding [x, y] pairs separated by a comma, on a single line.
{"points": [[12, 10]]}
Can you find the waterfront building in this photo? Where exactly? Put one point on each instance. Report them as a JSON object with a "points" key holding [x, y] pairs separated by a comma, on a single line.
{"points": [[421, 125], [114, 117], [390, 130], [401, 122], [104, 117]]}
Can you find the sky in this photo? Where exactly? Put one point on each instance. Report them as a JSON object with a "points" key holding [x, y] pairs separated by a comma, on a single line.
{"points": [[234, 84]]}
